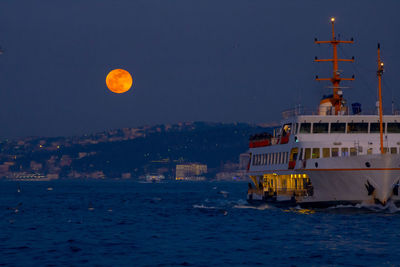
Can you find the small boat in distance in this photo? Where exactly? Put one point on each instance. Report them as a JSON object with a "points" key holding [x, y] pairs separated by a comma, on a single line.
{"points": [[154, 178], [331, 155]]}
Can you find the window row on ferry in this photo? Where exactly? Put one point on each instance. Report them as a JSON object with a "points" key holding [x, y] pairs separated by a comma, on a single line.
{"points": [[270, 158], [326, 152], [349, 127], [313, 153]]}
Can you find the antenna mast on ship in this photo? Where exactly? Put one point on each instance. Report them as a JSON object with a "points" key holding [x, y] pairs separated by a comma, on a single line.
{"points": [[379, 73], [337, 98]]}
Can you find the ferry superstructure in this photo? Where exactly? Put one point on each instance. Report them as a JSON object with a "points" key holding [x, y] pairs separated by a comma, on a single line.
{"points": [[330, 156]]}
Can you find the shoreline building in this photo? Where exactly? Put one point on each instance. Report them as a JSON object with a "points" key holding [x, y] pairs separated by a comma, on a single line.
{"points": [[191, 172]]}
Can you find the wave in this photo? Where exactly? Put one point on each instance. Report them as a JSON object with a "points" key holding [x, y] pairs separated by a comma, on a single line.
{"points": [[390, 207], [260, 207], [195, 206]]}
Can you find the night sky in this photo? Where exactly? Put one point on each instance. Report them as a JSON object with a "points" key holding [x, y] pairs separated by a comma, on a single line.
{"points": [[221, 61]]}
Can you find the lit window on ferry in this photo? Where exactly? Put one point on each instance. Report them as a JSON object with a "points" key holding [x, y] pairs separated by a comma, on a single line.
{"points": [[393, 127], [345, 152], [385, 150], [307, 153], [305, 127], [293, 154], [357, 127], [393, 150], [326, 153], [369, 151], [374, 127], [353, 151], [335, 152], [315, 153], [338, 127], [320, 127]]}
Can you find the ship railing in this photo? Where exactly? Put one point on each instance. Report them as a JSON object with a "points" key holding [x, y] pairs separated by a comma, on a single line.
{"points": [[298, 111], [329, 111]]}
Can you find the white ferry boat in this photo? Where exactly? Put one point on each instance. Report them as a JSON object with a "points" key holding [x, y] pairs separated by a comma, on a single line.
{"points": [[331, 156]]}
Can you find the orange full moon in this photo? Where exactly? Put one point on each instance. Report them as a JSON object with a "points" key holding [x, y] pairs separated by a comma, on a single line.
{"points": [[119, 81]]}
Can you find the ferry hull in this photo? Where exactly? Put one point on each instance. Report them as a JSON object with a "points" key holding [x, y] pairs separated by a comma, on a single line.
{"points": [[357, 186], [345, 181], [358, 179]]}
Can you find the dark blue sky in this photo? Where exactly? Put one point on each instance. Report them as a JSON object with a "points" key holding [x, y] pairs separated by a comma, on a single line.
{"points": [[219, 61]]}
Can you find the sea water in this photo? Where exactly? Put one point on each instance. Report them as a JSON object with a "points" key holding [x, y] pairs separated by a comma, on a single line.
{"points": [[127, 223]]}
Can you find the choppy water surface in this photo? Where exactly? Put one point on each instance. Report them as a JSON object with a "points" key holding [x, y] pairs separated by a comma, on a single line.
{"points": [[199, 224]]}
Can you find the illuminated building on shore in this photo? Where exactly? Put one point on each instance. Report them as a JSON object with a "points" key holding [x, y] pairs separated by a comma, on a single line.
{"points": [[191, 172]]}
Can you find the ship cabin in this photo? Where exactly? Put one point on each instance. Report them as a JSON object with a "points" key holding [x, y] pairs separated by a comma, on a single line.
{"points": [[313, 136]]}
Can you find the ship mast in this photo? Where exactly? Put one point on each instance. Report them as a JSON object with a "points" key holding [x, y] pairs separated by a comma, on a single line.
{"points": [[379, 73], [336, 100]]}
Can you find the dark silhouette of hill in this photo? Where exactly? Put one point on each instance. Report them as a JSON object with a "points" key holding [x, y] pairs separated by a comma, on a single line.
{"points": [[139, 151], [208, 143]]}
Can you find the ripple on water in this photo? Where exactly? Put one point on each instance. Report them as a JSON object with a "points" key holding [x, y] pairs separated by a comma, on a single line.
{"points": [[184, 224]]}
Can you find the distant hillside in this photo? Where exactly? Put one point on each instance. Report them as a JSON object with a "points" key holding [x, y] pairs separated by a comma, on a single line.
{"points": [[151, 149]]}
